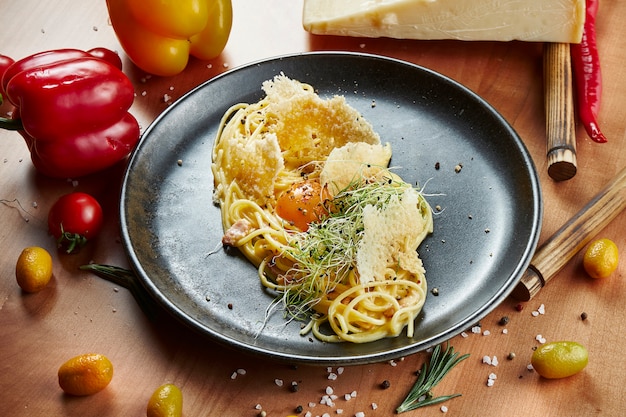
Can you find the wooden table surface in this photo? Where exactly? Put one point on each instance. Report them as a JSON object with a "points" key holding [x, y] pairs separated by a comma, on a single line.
{"points": [[79, 313]]}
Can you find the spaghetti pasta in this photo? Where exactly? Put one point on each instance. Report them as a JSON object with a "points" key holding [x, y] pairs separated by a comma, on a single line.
{"points": [[306, 195]]}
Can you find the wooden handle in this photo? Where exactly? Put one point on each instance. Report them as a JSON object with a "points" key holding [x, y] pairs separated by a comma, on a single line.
{"points": [[559, 107], [572, 237]]}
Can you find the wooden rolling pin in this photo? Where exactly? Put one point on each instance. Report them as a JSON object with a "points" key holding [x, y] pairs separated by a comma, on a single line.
{"points": [[553, 254], [559, 108]]}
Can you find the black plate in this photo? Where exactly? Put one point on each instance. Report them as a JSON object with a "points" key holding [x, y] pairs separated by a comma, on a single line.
{"points": [[483, 240]]}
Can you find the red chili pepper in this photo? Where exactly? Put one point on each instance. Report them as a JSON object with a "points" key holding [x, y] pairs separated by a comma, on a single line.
{"points": [[587, 74], [71, 107]]}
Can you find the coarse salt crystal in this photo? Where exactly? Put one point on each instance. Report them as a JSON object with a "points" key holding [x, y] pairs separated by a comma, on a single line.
{"points": [[329, 390], [535, 313], [347, 397], [374, 406], [444, 409], [360, 414], [476, 329], [278, 382], [241, 371], [308, 414], [339, 411], [490, 382], [487, 360], [494, 361], [257, 407], [340, 370], [311, 405], [332, 376], [505, 331], [486, 333], [539, 338], [353, 394], [463, 334], [542, 309], [529, 367], [233, 375]]}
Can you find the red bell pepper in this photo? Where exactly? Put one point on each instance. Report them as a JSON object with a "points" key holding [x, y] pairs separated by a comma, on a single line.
{"points": [[71, 107]]}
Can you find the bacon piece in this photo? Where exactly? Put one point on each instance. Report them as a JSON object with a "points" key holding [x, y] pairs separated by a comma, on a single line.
{"points": [[238, 230]]}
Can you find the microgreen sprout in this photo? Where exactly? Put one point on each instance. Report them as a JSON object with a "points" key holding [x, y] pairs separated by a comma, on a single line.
{"points": [[325, 255]]}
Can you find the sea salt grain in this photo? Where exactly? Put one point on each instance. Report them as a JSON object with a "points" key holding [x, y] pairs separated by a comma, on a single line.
{"points": [[360, 414], [444, 409], [539, 338], [541, 310], [490, 361]]}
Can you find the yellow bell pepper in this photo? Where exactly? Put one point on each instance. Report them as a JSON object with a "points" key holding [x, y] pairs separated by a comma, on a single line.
{"points": [[160, 35]]}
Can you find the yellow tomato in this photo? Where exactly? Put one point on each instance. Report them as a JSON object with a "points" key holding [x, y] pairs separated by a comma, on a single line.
{"points": [[302, 204], [33, 269], [85, 374], [166, 401], [601, 258], [559, 359]]}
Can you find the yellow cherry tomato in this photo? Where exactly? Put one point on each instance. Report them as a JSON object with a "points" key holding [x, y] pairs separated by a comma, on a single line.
{"points": [[559, 359], [33, 269], [302, 204], [166, 401], [159, 35], [601, 258], [85, 374]]}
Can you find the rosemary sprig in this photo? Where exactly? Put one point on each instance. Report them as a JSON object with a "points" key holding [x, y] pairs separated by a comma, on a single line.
{"points": [[430, 375], [127, 279]]}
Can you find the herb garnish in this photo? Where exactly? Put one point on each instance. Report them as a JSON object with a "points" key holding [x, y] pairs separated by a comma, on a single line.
{"points": [[430, 375], [324, 256]]}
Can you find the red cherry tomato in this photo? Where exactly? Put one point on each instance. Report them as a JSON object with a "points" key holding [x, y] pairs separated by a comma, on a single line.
{"points": [[74, 219], [303, 203]]}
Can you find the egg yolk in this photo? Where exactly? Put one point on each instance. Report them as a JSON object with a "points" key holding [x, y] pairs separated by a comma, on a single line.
{"points": [[303, 204]]}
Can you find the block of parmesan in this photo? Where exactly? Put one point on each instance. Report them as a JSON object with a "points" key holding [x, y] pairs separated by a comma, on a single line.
{"points": [[470, 20]]}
